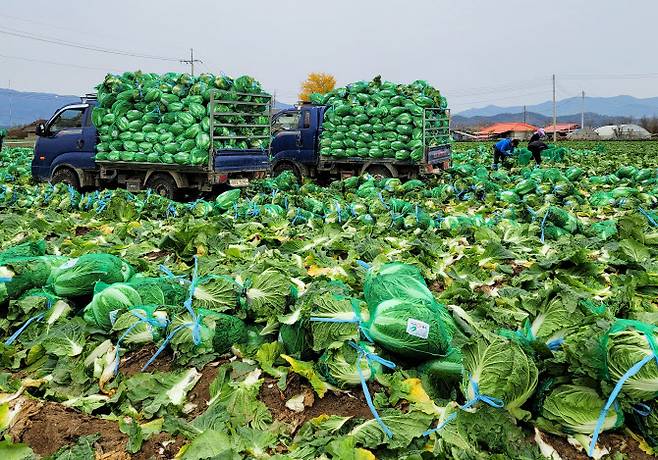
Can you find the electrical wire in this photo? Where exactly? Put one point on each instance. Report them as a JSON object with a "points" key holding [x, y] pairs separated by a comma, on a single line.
{"points": [[55, 41], [637, 76], [63, 64]]}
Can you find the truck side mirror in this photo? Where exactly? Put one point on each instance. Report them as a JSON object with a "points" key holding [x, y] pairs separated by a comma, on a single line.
{"points": [[40, 129]]}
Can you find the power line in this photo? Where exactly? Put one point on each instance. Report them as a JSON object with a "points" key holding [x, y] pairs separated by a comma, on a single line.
{"points": [[63, 64], [630, 76], [510, 87], [482, 101], [76, 30], [56, 41]]}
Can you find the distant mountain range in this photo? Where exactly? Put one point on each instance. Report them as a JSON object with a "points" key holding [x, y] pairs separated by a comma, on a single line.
{"points": [[20, 108], [617, 106], [535, 119]]}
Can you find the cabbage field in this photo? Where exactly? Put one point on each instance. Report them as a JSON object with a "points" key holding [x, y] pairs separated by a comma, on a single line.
{"points": [[482, 314]]}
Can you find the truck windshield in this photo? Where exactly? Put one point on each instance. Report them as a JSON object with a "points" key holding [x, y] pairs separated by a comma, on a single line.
{"points": [[68, 119], [287, 122]]}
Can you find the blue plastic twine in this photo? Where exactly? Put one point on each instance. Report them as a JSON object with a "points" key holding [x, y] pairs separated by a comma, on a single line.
{"points": [[356, 319], [543, 225], [555, 344], [477, 397], [364, 385], [642, 410], [37, 317], [364, 265], [171, 211], [154, 323], [648, 216], [196, 319], [613, 396]]}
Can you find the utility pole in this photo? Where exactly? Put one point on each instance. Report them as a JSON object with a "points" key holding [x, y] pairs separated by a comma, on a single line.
{"points": [[191, 61], [554, 112], [582, 113], [10, 113], [525, 114]]}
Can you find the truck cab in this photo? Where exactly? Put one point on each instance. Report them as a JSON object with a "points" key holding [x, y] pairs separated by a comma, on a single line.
{"points": [[66, 144], [296, 147], [295, 141]]}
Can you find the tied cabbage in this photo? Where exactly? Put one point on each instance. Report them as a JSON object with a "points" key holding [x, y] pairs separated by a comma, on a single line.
{"points": [[575, 409], [411, 329], [141, 325], [396, 280], [338, 366], [626, 346], [108, 302], [77, 277], [267, 294], [502, 370], [217, 293]]}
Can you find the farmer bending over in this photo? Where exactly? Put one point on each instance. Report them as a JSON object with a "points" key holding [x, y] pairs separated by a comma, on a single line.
{"points": [[537, 146], [504, 149]]}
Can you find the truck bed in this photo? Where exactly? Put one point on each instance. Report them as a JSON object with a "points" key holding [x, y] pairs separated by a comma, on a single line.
{"points": [[225, 161]]}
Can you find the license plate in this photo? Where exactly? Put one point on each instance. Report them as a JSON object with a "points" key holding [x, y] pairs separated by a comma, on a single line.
{"points": [[438, 156], [238, 182]]}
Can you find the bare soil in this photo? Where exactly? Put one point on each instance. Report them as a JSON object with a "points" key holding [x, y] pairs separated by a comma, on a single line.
{"points": [[350, 404], [160, 447], [133, 362], [46, 427], [614, 442]]}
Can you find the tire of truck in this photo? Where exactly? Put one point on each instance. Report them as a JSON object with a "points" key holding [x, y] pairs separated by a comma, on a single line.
{"points": [[163, 184], [66, 176], [283, 166], [379, 172]]}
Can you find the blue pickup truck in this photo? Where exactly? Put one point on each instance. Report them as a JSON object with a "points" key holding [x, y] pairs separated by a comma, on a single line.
{"points": [[66, 147]]}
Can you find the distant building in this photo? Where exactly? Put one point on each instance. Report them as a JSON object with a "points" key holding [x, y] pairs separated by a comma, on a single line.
{"points": [[562, 129], [583, 134], [620, 132], [460, 135], [521, 131]]}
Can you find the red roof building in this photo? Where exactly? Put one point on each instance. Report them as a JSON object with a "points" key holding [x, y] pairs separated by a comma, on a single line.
{"points": [[519, 131], [562, 128]]}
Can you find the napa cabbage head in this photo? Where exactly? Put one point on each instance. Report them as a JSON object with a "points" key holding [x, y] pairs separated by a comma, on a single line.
{"points": [[502, 370], [413, 329], [575, 409], [108, 302], [628, 343], [338, 366]]}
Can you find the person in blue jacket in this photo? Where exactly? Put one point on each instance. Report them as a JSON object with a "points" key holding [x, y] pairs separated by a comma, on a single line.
{"points": [[504, 149]]}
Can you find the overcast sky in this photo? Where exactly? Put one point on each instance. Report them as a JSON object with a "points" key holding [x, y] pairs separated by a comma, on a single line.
{"points": [[478, 52]]}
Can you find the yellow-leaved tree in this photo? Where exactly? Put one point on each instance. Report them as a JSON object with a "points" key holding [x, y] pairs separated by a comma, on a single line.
{"points": [[316, 82]]}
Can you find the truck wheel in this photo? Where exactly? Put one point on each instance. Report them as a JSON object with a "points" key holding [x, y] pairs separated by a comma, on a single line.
{"points": [[163, 184], [285, 166], [379, 172], [66, 176]]}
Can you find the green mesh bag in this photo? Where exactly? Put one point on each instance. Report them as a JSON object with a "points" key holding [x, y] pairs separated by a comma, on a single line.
{"points": [[79, 276]]}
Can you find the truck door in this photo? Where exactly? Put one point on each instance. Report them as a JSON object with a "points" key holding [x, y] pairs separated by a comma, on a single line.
{"points": [[294, 136], [69, 136]]}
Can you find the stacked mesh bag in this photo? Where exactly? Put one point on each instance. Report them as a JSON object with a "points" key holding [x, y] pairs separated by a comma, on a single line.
{"points": [[147, 117]]}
